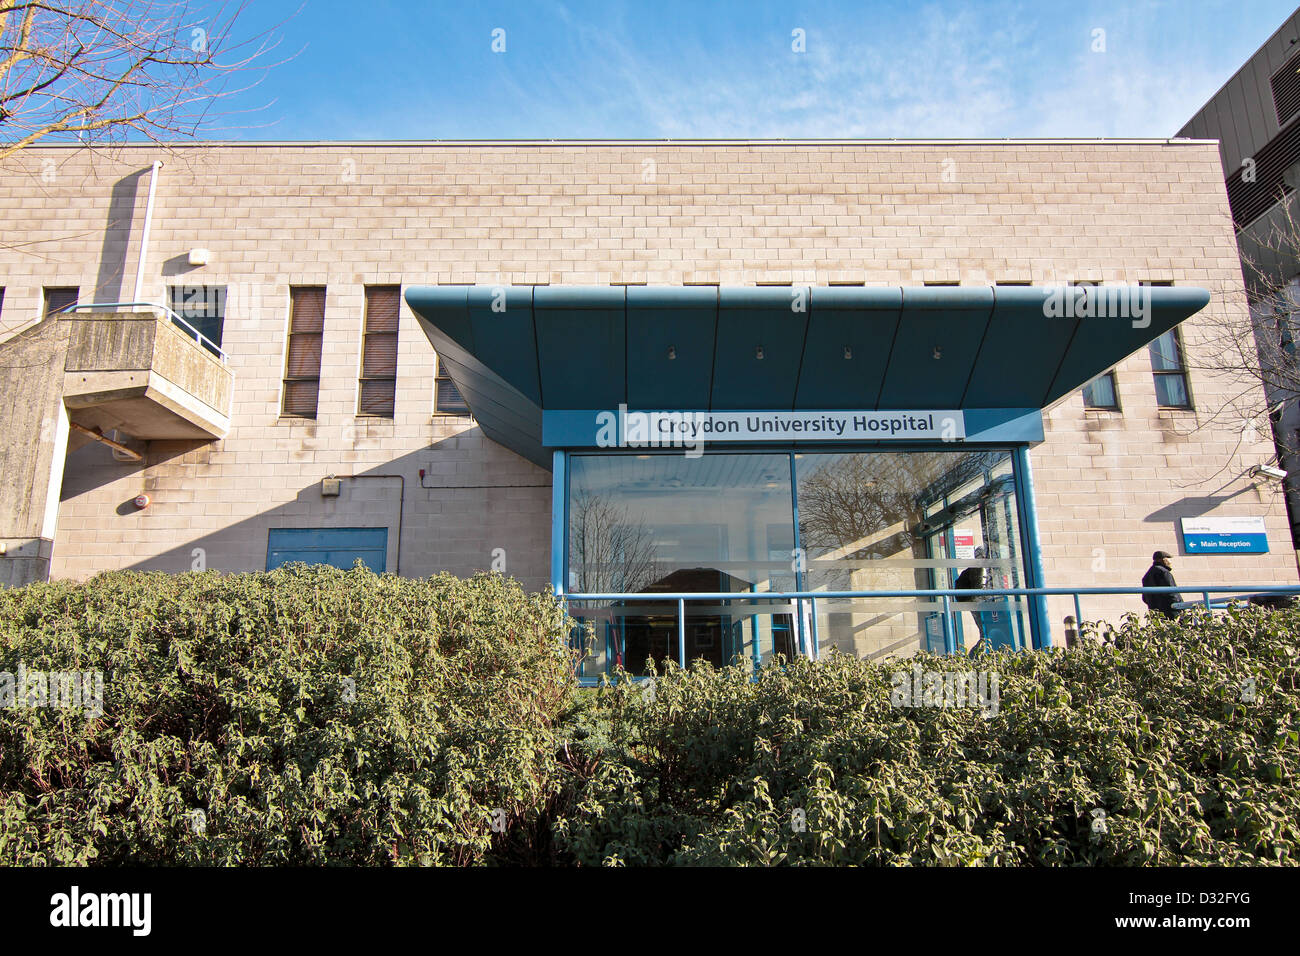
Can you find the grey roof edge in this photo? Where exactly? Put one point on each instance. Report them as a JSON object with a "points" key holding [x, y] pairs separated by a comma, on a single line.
{"points": [[839, 297], [561, 142], [1286, 24]]}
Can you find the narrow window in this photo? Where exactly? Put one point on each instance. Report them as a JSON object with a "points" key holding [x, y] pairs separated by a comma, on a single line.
{"points": [[447, 397], [1101, 392], [379, 351], [59, 297], [203, 307], [1170, 371], [302, 364]]}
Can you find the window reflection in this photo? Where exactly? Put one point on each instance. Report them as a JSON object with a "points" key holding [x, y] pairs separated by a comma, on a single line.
{"points": [[650, 524], [725, 523], [900, 521]]}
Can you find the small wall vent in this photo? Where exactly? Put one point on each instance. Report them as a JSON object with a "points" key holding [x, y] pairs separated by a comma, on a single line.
{"points": [[1286, 90]]}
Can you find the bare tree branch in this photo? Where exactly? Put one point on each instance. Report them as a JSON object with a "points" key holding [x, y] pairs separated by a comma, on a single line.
{"points": [[611, 553], [1253, 358], [98, 71]]}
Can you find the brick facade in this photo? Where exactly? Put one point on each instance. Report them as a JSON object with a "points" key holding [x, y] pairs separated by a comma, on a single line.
{"points": [[1109, 486]]}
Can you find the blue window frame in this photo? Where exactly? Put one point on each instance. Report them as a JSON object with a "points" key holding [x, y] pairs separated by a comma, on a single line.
{"points": [[337, 547], [740, 520]]}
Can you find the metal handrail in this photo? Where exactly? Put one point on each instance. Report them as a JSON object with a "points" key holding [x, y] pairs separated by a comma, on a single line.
{"points": [[922, 592], [199, 337], [946, 594]]}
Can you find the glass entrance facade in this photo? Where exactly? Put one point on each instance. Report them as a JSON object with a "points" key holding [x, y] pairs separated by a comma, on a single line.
{"points": [[753, 523]]}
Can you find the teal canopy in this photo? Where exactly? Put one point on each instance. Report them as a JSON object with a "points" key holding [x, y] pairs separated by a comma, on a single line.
{"points": [[514, 351]]}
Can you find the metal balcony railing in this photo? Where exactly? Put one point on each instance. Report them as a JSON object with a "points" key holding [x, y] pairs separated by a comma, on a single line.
{"points": [[198, 336]]}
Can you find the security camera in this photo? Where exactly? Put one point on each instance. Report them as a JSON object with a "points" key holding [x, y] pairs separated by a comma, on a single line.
{"points": [[1268, 471]]}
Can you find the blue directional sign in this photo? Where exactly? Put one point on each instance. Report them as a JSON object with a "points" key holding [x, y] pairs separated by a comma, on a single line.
{"points": [[1224, 536]]}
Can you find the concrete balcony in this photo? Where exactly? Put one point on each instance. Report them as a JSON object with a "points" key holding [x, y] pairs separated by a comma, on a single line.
{"points": [[143, 376], [78, 376]]}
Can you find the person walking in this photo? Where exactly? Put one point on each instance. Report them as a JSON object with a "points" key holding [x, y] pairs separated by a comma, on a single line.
{"points": [[1160, 575], [974, 579]]}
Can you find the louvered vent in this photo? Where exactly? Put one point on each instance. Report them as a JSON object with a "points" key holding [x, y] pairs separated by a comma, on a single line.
{"points": [[1286, 90], [300, 398], [379, 351], [1250, 200], [302, 365], [59, 298]]}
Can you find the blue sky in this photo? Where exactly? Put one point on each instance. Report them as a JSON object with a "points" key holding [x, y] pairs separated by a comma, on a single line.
{"points": [[402, 69]]}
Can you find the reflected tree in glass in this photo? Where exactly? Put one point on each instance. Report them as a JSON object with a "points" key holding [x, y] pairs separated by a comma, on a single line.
{"points": [[849, 501], [609, 551]]}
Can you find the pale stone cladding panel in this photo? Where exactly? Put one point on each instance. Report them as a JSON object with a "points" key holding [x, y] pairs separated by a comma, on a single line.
{"points": [[1109, 488]]}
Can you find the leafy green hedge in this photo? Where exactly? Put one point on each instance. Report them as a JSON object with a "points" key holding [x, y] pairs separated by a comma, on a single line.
{"points": [[1185, 739], [312, 715], [322, 717]]}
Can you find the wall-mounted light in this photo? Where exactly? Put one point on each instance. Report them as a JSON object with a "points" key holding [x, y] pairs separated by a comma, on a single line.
{"points": [[938, 353], [1267, 471], [848, 351], [199, 257], [329, 487], [758, 352], [672, 352]]}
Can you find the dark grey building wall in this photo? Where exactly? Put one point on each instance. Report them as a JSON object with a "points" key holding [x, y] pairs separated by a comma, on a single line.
{"points": [[1241, 115]]}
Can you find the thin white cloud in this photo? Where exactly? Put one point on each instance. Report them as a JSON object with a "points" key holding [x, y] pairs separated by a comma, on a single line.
{"points": [[994, 69], [957, 73]]}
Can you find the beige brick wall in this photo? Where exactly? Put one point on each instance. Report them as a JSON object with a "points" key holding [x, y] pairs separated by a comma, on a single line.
{"points": [[346, 215]]}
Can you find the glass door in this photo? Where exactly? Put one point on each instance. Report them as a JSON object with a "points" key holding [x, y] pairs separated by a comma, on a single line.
{"points": [[887, 521], [665, 524]]}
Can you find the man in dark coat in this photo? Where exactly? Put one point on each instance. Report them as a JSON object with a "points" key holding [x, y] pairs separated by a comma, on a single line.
{"points": [[974, 579], [1160, 575]]}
